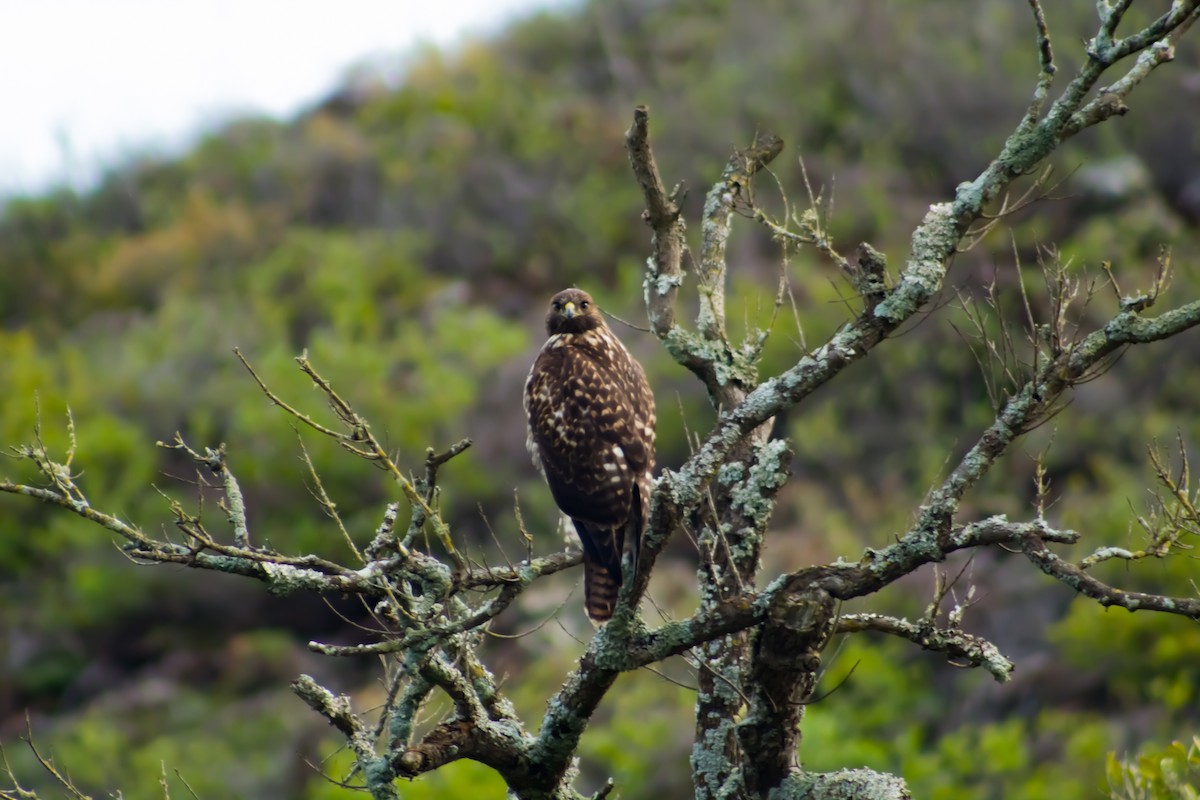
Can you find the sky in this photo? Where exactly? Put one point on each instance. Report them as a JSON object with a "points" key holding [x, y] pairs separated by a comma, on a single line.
{"points": [[85, 82]]}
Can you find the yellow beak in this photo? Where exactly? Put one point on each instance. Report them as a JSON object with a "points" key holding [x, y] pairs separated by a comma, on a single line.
{"points": [[569, 310]]}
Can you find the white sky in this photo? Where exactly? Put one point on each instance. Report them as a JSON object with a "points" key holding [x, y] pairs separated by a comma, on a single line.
{"points": [[84, 81]]}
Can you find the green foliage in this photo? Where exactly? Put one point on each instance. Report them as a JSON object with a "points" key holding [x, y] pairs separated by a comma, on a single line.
{"points": [[1147, 659], [649, 714], [1172, 773], [878, 716], [216, 753], [407, 238]]}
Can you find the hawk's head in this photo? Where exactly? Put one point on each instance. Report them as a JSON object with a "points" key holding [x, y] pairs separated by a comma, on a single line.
{"points": [[573, 311]]}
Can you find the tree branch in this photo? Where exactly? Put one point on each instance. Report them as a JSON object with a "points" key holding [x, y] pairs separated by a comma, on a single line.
{"points": [[664, 270], [973, 650], [1074, 576]]}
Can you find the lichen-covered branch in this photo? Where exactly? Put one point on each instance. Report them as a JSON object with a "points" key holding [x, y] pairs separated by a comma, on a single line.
{"points": [[859, 784], [760, 645], [719, 205], [664, 270], [956, 644], [783, 676], [375, 771], [706, 352], [933, 243], [479, 578], [1087, 585], [731, 527]]}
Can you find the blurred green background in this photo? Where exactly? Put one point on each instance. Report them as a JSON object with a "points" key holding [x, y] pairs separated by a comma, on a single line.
{"points": [[408, 236]]}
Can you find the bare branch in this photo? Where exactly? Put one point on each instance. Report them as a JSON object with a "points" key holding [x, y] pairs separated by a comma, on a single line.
{"points": [[1074, 576], [664, 273], [973, 650], [337, 711], [235, 506], [719, 203]]}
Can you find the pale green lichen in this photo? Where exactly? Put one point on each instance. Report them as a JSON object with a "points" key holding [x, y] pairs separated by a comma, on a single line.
{"points": [[736, 367], [711, 767], [731, 473], [283, 579], [753, 497], [846, 784], [659, 283], [932, 243], [379, 777], [812, 370], [684, 346]]}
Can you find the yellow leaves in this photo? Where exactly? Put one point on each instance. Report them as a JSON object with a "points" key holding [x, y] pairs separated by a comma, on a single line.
{"points": [[207, 235]]}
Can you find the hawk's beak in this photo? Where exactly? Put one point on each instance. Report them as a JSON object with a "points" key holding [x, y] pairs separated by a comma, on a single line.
{"points": [[569, 310]]}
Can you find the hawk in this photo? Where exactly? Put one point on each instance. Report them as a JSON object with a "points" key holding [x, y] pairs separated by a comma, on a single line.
{"points": [[591, 434]]}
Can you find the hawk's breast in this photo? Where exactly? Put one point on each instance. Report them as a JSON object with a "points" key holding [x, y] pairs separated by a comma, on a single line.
{"points": [[591, 424]]}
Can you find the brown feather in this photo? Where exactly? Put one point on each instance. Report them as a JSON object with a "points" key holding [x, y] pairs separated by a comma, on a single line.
{"points": [[591, 433], [600, 591]]}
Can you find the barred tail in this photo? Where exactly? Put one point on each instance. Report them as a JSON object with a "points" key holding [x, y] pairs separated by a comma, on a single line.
{"points": [[600, 587]]}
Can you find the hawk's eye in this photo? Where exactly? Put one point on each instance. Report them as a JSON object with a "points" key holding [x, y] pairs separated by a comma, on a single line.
{"points": [[584, 304], [557, 306]]}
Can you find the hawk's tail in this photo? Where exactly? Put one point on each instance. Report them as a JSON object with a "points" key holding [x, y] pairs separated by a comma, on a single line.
{"points": [[603, 549], [600, 588], [602, 546]]}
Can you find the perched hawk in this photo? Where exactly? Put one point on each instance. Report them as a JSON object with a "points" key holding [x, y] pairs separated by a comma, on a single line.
{"points": [[591, 434]]}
